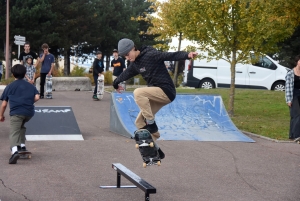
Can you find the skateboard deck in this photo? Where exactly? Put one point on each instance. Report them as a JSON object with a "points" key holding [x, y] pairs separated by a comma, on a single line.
{"points": [[100, 87], [25, 154], [49, 87], [147, 147]]}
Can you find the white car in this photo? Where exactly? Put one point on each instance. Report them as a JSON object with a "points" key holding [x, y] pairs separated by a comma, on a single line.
{"points": [[264, 74]]}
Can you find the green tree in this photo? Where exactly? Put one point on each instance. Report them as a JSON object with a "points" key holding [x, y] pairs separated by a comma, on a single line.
{"points": [[28, 18], [288, 50], [168, 24], [231, 29]]}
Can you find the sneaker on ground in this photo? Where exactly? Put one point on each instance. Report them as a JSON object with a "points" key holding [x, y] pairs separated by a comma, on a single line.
{"points": [[13, 159], [95, 97]]}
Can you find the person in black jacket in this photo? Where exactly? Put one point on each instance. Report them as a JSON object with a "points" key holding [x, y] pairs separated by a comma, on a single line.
{"points": [[98, 68], [149, 62]]}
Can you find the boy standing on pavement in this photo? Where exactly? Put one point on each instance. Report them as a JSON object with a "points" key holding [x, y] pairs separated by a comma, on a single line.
{"points": [[30, 70], [149, 62], [47, 60], [21, 96], [27, 52], [98, 69], [118, 64]]}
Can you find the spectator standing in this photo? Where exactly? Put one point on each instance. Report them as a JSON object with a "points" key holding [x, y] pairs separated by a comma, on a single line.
{"points": [[30, 70], [292, 96], [27, 52], [118, 64], [47, 60], [98, 69]]}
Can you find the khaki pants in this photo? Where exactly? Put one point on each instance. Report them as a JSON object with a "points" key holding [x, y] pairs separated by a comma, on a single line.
{"points": [[17, 130], [150, 100]]}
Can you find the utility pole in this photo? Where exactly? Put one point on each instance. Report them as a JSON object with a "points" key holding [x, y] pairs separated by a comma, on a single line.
{"points": [[7, 41]]}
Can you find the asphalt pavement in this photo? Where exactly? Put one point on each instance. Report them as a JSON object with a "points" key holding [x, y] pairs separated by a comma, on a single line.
{"points": [[192, 170]]}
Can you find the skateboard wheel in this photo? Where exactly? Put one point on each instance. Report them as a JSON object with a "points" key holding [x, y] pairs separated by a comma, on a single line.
{"points": [[29, 156], [144, 165], [298, 142], [158, 163], [151, 144], [137, 146]]}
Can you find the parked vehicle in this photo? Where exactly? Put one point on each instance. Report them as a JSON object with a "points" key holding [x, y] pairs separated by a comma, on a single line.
{"points": [[264, 74]]}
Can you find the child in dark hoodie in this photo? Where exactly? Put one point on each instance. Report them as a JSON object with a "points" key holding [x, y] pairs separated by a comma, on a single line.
{"points": [[98, 69], [149, 62]]}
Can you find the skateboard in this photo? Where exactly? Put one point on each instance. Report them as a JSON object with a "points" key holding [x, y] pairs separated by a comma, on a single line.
{"points": [[100, 87], [25, 154], [297, 140], [147, 147], [123, 85], [49, 86]]}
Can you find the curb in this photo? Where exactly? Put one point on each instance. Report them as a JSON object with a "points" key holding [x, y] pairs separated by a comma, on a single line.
{"points": [[266, 138]]}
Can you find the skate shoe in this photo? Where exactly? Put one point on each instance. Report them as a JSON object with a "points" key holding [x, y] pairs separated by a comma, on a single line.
{"points": [[152, 128], [13, 159]]}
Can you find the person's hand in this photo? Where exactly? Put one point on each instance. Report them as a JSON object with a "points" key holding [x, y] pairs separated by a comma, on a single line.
{"points": [[120, 89], [2, 118], [49, 74], [192, 55], [289, 104]]}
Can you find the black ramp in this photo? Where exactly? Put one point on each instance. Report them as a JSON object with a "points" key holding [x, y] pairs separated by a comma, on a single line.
{"points": [[53, 123]]}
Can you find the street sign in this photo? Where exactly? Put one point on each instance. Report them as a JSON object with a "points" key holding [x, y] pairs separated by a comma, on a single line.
{"points": [[20, 38], [19, 42]]}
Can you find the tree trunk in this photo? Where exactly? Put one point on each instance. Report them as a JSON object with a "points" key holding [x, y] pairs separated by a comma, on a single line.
{"points": [[107, 65], [67, 61], [175, 76], [232, 85]]}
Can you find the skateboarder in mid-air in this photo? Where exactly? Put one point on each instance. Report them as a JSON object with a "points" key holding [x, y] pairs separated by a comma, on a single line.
{"points": [[21, 96], [149, 62]]}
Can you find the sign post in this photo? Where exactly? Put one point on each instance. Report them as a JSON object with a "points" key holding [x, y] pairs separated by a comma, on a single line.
{"points": [[19, 40]]}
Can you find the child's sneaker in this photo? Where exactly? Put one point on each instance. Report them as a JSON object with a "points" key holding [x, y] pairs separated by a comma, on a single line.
{"points": [[13, 159], [23, 149]]}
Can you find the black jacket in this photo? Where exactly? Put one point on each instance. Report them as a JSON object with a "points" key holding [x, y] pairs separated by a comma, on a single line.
{"points": [[98, 67], [150, 64]]}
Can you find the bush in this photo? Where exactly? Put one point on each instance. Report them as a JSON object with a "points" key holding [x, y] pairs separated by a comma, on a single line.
{"points": [[142, 81], [77, 71], [107, 78], [7, 81], [179, 78]]}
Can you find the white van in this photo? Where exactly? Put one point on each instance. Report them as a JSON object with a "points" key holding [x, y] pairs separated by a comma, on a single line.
{"points": [[265, 74]]}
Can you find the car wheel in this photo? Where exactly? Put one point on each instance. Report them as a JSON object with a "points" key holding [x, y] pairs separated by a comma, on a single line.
{"points": [[207, 84], [279, 86]]}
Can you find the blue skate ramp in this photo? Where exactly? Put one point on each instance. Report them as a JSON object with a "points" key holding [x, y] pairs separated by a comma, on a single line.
{"points": [[188, 117]]}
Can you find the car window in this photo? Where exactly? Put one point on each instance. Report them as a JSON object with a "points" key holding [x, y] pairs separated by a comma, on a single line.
{"points": [[263, 62]]}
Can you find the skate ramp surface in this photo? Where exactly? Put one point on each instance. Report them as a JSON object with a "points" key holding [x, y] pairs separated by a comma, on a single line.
{"points": [[189, 117]]}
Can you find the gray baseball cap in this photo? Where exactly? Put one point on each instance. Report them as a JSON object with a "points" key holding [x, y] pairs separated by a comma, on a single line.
{"points": [[124, 46]]}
